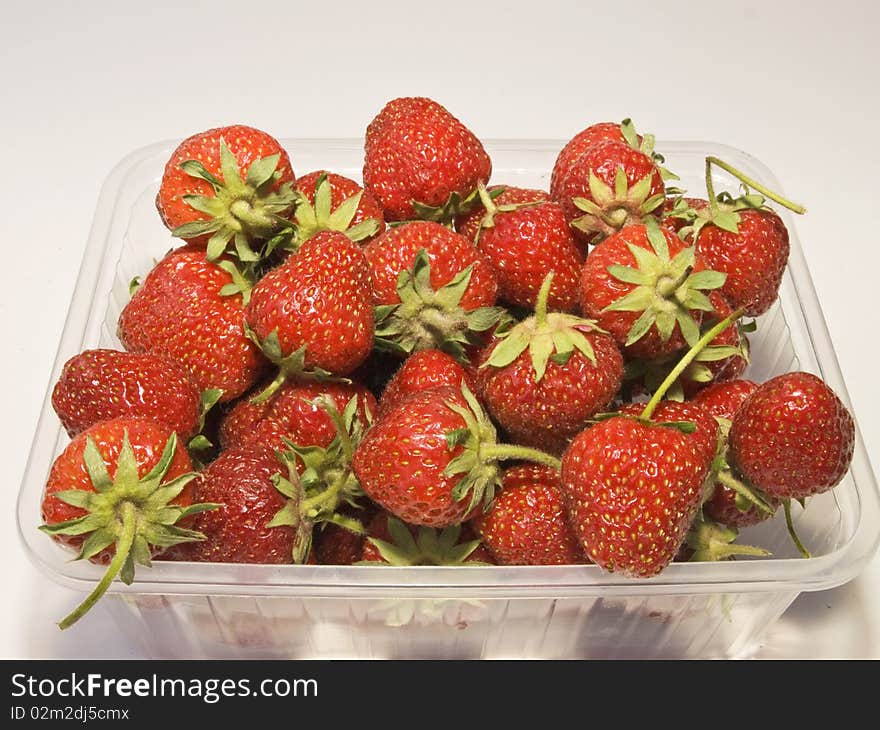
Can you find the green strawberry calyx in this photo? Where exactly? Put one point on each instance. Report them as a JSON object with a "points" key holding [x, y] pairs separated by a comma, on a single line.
{"points": [[130, 512], [320, 479], [478, 460], [429, 318], [456, 204], [547, 336], [711, 541], [292, 365], [428, 547], [665, 290], [646, 147], [241, 212], [610, 209], [312, 218]]}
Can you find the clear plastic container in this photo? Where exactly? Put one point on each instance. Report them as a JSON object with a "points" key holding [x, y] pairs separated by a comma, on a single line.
{"points": [[183, 610]]}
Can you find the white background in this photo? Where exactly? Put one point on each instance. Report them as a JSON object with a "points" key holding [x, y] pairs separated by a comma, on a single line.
{"points": [[83, 83]]}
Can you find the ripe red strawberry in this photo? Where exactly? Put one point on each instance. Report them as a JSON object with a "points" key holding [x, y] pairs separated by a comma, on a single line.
{"points": [[391, 542], [422, 371], [432, 460], [792, 437], [753, 257], [422, 162], [118, 493], [608, 187], [704, 437], [229, 185], [580, 143], [433, 289], [631, 491], [191, 311], [259, 517], [723, 400], [331, 202], [544, 379], [524, 242], [313, 314], [98, 385], [293, 412], [527, 524], [647, 289]]}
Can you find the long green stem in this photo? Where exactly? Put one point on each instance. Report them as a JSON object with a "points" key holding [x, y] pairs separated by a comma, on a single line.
{"points": [[499, 452], [710, 188], [123, 548], [541, 303], [687, 359], [270, 389], [786, 505], [795, 207]]}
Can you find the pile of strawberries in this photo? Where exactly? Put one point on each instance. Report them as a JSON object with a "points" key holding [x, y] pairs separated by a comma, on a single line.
{"points": [[428, 370]]}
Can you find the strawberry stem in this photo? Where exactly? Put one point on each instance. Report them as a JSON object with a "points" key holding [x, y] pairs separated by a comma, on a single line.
{"points": [[270, 389], [742, 177], [687, 359], [786, 505], [731, 482], [123, 548], [541, 304], [503, 452]]}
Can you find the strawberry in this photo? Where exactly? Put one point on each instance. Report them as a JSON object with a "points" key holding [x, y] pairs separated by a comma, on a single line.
{"points": [[647, 289], [432, 460], [191, 310], [98, 385], [294, 413], [258, 520], [331, 202], [631, 490], [608, 187], [524, 236], [792, 437], [312, 314], [118, 493], [741, 237], [422, 162], [723, 400], [527, 524], [580, 143], [422, 371], [229, 185], [546, 377], [391, 542], [753, 256], [432, 288]]}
